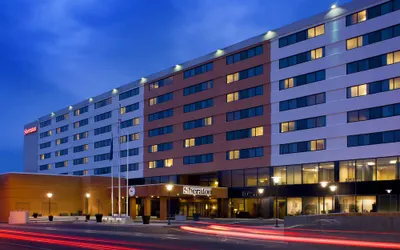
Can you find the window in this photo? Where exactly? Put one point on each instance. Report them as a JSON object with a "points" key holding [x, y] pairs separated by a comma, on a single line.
{"points": [[102, 171], [354, 43], [45, 156], [310, 173], [81, 136], [373, 62], [132, 137], [128, 94], [80, 161], [62, 117], [366, 170], [198, 88], [45, 145], [198, 70], [45, 134], [198, 141], [132, 152], [243, 55], [373, 113], [245, 153], [303, 124], [81, 111], [372, 12], [103, 103], [129, 123], [161, 83], [302, 57], [280, 173], [103, 116], [102, 143], [373, 37], [203, 122], [161, 115], [305, 146], [160, 147], [244, 74], [45, 123], [61, 164], [373, 138], [302, 80], [129, 108], [62, 129], [161, 99], [347, 171], [45, 167], [327, 172], [301, 102], [244, 133], [387, 169], [302, 35], [198, 105], [80, 172], [245, 113], [197, 159], [373, 88], [293, 175], [244, 94], [102, 157], [61, 140], [81, 123], [161, 163], [132, 167], [161, 131], [61, 152]]}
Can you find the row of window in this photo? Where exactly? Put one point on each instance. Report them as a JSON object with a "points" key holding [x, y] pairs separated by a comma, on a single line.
{"points": [[81, 111], [373, 113], [81, 148], [244, 133], [373, 62], [129, 123], [302, 79], [102, 130], [244, 74], [161, 83], [372, 12], [243, 55], [373, 87], [45, 145], [102, 143], [198, 70], [81, 123], [198, 105], [161, 163], [45, 123], [132, 137], [198, 88], [197, 159], [161, 131], [302, 36], [301, 58], [245, 153], [244, 94], [161, 115], [129, 108], [61, 152], [301, 102], [62, 117], [198, 141], [102, 157], [62, 129], [373, 37], [245, 113], [198, 123], [160, 147], [62, 140], [61, 164], [161, 99], [304, 146], [97, 171], [373, 138], [128, 94], [303, 124], [103, 103], [132, 152], [103, 116]]}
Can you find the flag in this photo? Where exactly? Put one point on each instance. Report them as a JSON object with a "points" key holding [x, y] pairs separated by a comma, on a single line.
{"points": [[112, 148]]}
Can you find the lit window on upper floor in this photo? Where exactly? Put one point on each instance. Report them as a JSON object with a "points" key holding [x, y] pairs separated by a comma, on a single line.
{"points": [[129, 108], [243, 55], [373, 12], [61, 164], [161, 163], [244, 94], [161, 83], [45, 156], [304, 146], [302, 79], [80, 161], [61, 140], [62, 129], [132, 137], [245, 153], [160, 147], [81, 136], [81, 111], [81, 123], [302, 36], [244, 133], [244, 74], [198, 141], [199, 123], [62, 117], [303, 124], [373, 87], [373, 37], [45, 167], [81, 148], [373, 62], [198, 70], [161, 99], [302, 58], [130, 123]]}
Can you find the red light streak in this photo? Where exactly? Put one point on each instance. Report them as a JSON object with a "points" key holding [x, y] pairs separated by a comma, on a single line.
{"points": [[338, 242]]}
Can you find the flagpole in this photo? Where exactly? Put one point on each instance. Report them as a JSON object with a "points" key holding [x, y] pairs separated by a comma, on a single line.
{"points": [[119, 162], [127, 173], [112, 176]]}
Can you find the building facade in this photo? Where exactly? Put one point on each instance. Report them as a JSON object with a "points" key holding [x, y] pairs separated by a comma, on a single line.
{"points": [[315, 101]]}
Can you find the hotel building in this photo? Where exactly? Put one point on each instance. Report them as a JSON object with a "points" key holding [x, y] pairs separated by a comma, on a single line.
{"points": [[314, 101]]}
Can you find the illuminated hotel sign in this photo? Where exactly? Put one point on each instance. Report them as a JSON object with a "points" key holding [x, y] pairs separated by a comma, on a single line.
{"points": [[28, 131], [201, 191]]}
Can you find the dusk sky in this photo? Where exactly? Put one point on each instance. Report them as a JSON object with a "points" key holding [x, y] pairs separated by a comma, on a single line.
{"points": [[55, 53]]}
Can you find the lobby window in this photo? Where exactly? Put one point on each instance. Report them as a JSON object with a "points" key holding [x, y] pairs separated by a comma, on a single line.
{"points": [[82, 110], [129, 108], [244, 94], [161, 83], [62, 117], [161, 163], [250, 177], [128, 94], [160, 147], [293, 175], [61, 164], [161, 131], [302, 79], [130, 123], [263, 177], [280, 172], [303, 124], [102, 171], [373, 138], [161, 99], [103, 103], [245, 153], [102, 130], [347, 171], [302, 35], [81, 136], [373, 62], [245, 113], [197, 159], [387, 168], [305, 146], [294, 206], [225, 178], [199, 123], [327, 172], [373, 113], [102, 143], [302, 102], [62, 129], [45, 156], [45, 123], [45, 167], [244, 74], [310, 173], [373, 12], [45, 134], [81, 123], [302, 57], [80, 161], [198, 70], [243, 55], [366, 170], [198, 88], [244, 133], [103, 116], [238, 178], [198, 105]]}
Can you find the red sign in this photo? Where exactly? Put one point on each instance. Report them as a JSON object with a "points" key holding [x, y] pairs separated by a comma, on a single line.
{"points": [[28, 131]]}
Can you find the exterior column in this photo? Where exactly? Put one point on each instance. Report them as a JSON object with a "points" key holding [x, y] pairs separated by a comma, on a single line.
{"points": [[147, 207], [163, 208], [132, 208]]}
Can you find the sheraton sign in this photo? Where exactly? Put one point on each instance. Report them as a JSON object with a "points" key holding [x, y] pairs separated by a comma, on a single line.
{"points": [[31, 130], [201, 191]]}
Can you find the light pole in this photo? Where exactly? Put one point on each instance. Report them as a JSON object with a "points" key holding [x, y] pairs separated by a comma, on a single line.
{"points": [[276, 182], [323, 185], [169, 188], [333, 188], [87, 195], [49, 195], [260, 193], [390, 199]]}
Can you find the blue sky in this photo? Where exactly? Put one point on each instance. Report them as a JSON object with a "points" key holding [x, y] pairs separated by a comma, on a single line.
{"points": [[54, 53]]}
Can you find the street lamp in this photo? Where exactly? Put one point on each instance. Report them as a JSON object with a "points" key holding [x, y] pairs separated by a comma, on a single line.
{"points": [[87, 195], [333, 189], [323, 184], [260, 192], [390, 199], [49, 195], [276, 180], [169, 188]]}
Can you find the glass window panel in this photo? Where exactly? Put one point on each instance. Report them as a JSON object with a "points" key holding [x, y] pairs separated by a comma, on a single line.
{"points": [[310, 206], [311, 33], [389, 59], [347, 171], [354, 91], [386, 168], [251, 177], [310, 173], [280, 172], [362, 90], [366, 170], [293, 174], [237, 178], [263, 177], [294, 206], [319, 30], [396, 57], [284, 127], [327, 172], [352, 43], [362, 16]]}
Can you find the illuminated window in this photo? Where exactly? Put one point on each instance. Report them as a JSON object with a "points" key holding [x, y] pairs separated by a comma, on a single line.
{"points": [[320, 144], [208, 121], [284, 127], [123, 110], [316, 31], [189, 142], [152, 164], [85, 172], [168, 163], [361, 16], [65, 163], [232, 97], [58, 142], [86, 147], [393, 57], [234, 154], [153, 101], [354, 43], [359, 90], [154, 148], [154, 85], [232, 77], [123, 139], [289, 83], [134, 137], [394, 83], [316, 53], [258, 131]]}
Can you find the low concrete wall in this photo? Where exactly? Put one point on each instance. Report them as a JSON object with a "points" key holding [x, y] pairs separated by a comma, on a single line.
{"points": [[357, 222]]}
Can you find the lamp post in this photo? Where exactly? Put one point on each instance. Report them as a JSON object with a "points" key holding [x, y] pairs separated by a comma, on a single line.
{"points": [[276, 182], [49, 195], [333, 188], [169, 188], [323, 184], [260, 193], [390, 199], [87, 195]]}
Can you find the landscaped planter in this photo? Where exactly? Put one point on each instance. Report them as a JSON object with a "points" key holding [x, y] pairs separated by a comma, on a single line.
{"points": [[51, 217], [99, 218]]}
